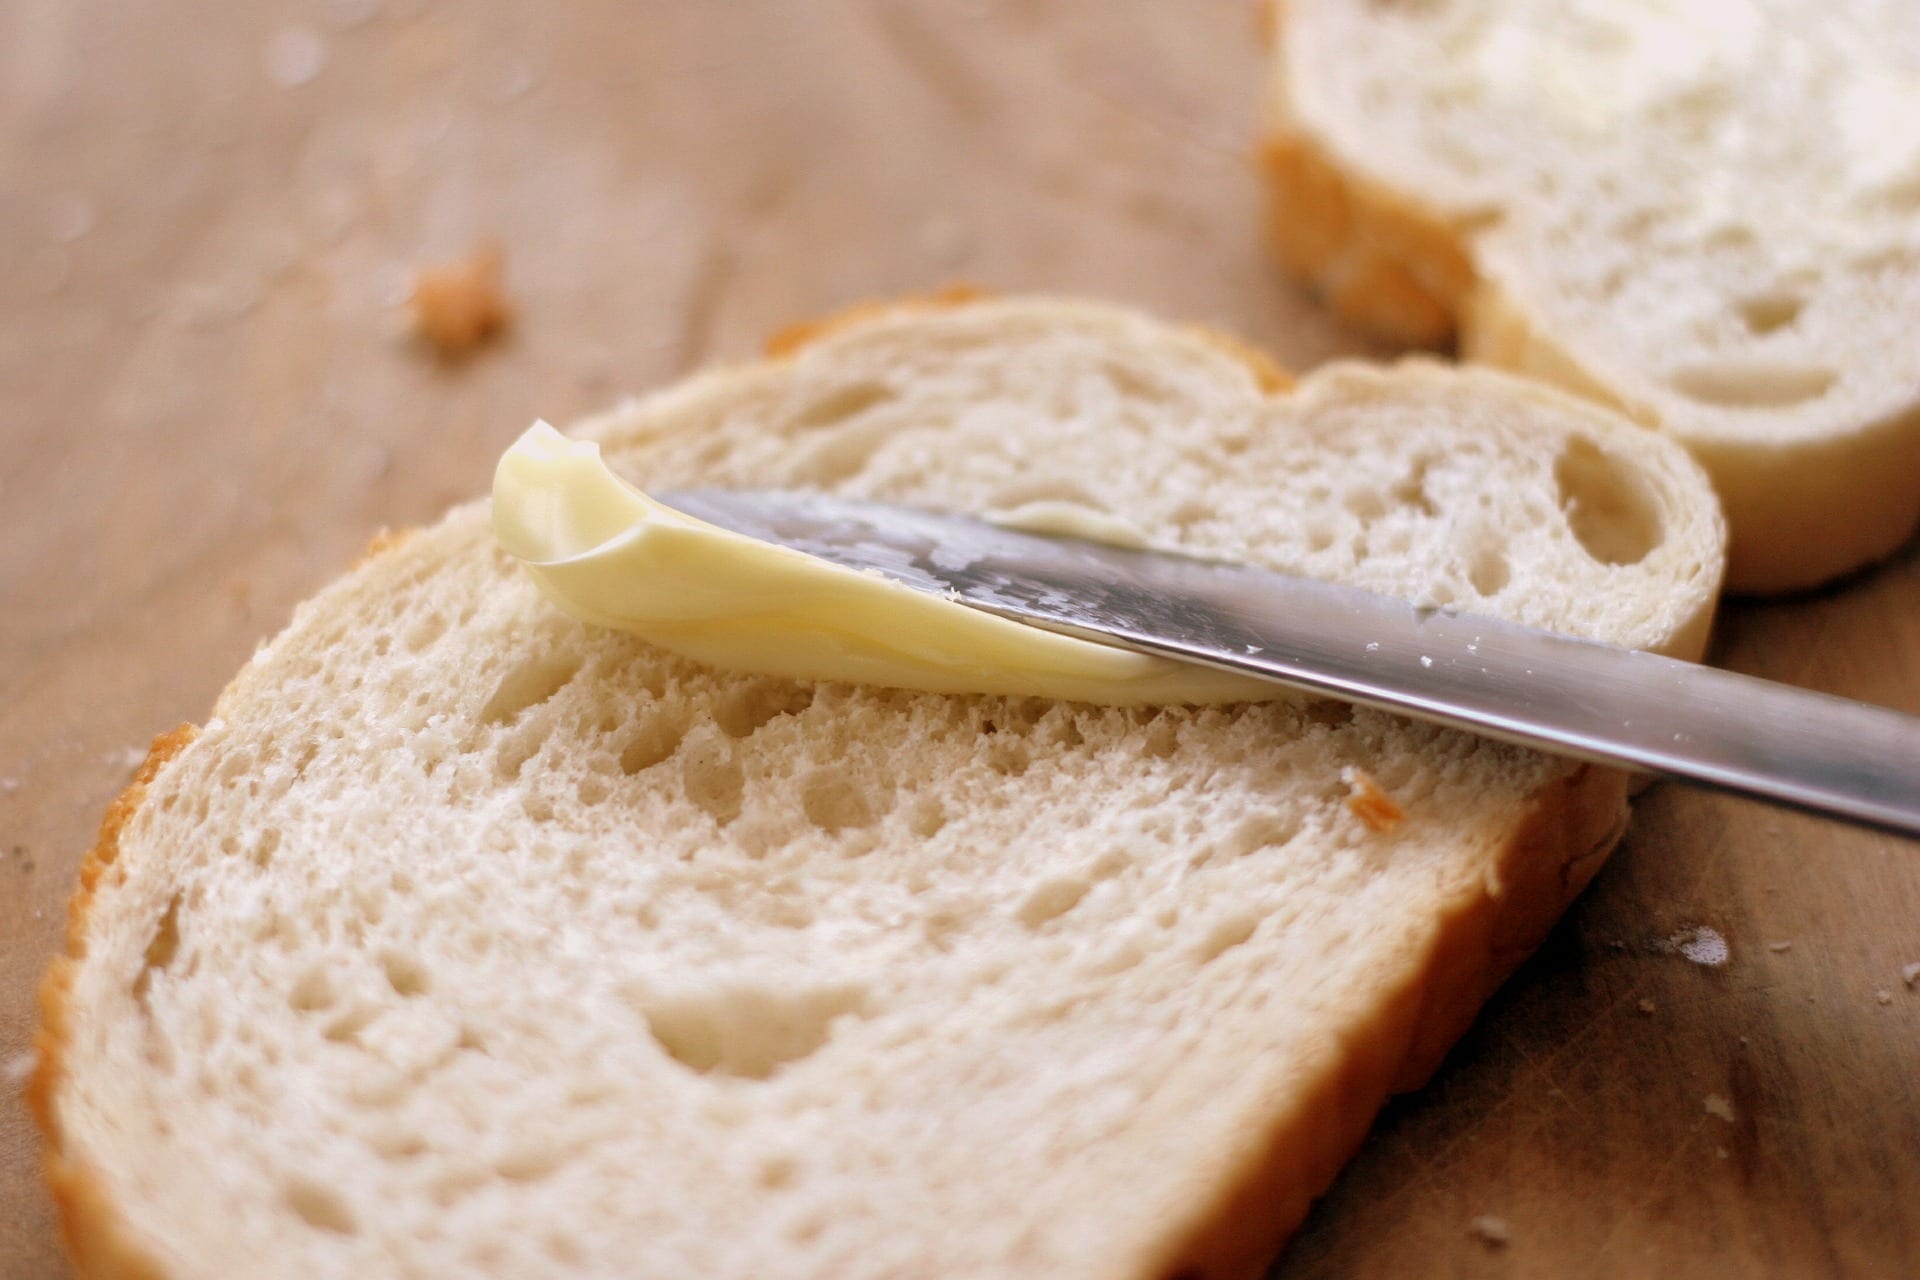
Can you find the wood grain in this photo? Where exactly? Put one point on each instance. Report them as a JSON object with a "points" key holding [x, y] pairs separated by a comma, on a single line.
{"points": [[212, 407]]}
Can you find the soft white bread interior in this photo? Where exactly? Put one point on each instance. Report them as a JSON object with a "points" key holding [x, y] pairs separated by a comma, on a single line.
{"points": [[1706, 214], [465, 939]]}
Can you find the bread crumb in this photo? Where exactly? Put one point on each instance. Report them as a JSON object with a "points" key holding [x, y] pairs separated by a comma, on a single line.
{"points": [[18, 1069], [1702, 944], [10, 785], [1910, 974], [460, 305], [1490, 1231], [1719, 1153], [1718, 1106], [1370, 803], [1647, 1005], [1883, 996], [1778, 947]]}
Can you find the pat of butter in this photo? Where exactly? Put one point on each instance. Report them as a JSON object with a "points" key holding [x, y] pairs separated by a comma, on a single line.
{"points": [[611, 556]]}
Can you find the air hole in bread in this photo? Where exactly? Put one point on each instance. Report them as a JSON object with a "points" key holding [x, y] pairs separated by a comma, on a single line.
{"points": [[347, 1025], [529, 1163], [303, 759], [1257, 831], [743, 710], [1756, 385], [654, 741], [836, 801], [1488, 570], [1227, 934], [926, 816], [319, 1206], [393, 1143], [520, 746], [265, 845], [842, 403], [1009, 757], [778, 1171], [1365, 504], [1765, 313], [312, 993], [747, 1031], [1129, 384], [841, 455], [711, 777], [1607, 505], [424, 632], [405, 974], [1051, 899], [1411, 491], [527, 686], [1161, 739], [1326, 711], [162, 947]]}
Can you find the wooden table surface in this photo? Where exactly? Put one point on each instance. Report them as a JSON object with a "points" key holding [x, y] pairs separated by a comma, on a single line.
{"points": [[208, 210]]}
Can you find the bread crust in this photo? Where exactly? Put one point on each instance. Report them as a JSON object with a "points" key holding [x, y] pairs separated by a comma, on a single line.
{"points": [[786, 342], [801, 334], [90, 1225], [1384, 263], [1554, 849]]}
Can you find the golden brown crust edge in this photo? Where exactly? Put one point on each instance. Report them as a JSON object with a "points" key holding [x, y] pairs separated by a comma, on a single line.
{"points": [[1268, 376], [96, 1241], [1555, 849], [1383, 264], [1383, 261]]}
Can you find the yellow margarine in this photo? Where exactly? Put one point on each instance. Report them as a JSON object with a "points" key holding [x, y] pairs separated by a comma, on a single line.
{"points": [[609, 555]]}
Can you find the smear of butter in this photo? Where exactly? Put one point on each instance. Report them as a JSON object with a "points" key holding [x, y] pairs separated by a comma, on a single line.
{"points": [[610, 555], [1070, 520]]}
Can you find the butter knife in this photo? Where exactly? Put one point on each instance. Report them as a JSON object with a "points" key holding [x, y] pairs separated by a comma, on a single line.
{"points": [[1572, 697]]}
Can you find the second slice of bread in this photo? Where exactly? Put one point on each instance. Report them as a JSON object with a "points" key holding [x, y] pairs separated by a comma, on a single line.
{"points": [[1706, 215], [465, 939]]}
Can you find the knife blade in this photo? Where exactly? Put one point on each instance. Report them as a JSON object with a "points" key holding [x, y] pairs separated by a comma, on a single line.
{"points": [[1737, 733]]}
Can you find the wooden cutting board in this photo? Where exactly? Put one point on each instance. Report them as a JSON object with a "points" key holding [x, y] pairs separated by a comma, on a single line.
{"points": [[208, 210]]}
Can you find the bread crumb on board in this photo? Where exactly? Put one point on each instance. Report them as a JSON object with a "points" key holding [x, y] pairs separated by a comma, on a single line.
{"points": [[1646, 1005], [1370, 802], [461, 305], [1715, 1105], [1778, 947], [1910, 974], [1883, 996], [1490, 1230]]}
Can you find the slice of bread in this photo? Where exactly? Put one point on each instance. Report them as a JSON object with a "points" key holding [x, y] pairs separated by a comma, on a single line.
{"points": [[1707, 215], [465, 939]]}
